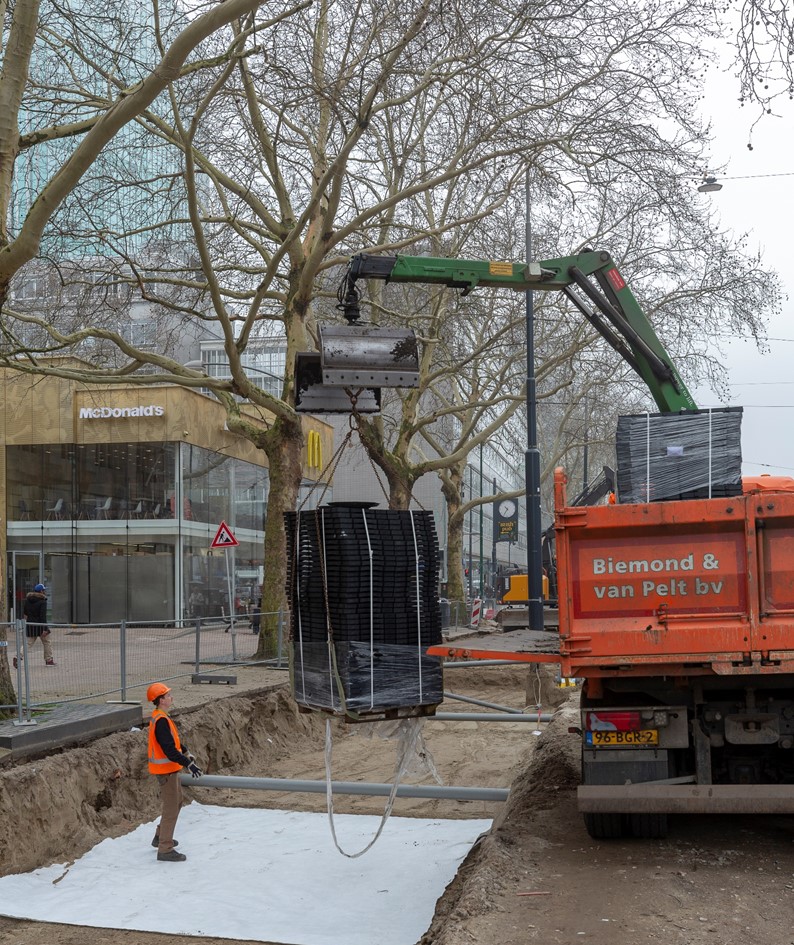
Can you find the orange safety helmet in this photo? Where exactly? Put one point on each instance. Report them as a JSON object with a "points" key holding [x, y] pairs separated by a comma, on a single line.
{"points": [[156, 690]]}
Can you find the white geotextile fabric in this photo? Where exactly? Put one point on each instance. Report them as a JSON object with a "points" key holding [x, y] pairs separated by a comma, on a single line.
{"points": [[263, 875]]}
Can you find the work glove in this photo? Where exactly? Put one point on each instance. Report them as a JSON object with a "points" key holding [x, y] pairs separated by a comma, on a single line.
{"points": [[194, 769]]}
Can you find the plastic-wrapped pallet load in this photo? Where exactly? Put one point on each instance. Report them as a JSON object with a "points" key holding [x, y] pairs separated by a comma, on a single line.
{"points": [[695, 454], [362, 585]]}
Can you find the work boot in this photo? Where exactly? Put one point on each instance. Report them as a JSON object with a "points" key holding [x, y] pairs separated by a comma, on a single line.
{"points": [[49, 662], [156, 841], [172, 857]]}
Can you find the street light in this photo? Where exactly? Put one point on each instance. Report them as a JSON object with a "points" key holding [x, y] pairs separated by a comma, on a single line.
{"points": [[532, 454], [709, 185]]}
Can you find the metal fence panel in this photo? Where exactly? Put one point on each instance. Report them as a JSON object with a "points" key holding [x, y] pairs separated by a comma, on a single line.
{"points": [[117, 661]]}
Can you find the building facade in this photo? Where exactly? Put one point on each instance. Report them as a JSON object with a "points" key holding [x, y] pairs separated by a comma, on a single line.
{"points": [[113, 496]]}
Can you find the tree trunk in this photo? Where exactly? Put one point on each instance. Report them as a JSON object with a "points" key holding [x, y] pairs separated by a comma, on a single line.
{"points": [[455, 584], [400, 491], [451, 487], [284, 446]]}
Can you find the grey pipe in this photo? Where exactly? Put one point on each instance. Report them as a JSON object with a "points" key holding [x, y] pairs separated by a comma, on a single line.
{"points": [[345, 787], [488, 717], [487, 705]]}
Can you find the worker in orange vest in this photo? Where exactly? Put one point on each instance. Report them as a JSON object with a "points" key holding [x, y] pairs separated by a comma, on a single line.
{"points": [[167, 756]]}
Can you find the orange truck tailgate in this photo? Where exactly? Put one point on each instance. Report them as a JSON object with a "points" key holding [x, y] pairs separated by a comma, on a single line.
{"points": [[679, 588]]}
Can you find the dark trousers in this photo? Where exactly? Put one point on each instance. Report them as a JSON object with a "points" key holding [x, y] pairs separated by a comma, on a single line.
{"points": [[171, 797]]}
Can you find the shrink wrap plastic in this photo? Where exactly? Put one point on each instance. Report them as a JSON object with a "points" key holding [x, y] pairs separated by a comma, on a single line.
{"points": [[362, 587], [695, 454]]}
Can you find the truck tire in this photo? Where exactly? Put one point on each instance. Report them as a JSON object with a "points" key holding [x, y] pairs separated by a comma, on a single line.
{"points": [[648, 826], [604, 826]]}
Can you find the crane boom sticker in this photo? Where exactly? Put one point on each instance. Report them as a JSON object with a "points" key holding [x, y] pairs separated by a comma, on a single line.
{"points": [[224, 537]]}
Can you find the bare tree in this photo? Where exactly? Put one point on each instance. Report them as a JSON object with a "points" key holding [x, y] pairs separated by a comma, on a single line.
{"points": [[102, 114], [346, 126], [764, 62], [64, 98]]}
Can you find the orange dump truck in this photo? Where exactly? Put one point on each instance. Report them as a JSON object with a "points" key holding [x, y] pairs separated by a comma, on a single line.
{"points": [[676, 610], [679, 615]]}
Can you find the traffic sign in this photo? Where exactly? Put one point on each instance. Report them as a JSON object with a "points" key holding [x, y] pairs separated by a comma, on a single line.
{"points": [[224, 538]]}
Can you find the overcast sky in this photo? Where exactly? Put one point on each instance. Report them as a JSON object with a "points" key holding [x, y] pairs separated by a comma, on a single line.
{"points": [[764, 206]]}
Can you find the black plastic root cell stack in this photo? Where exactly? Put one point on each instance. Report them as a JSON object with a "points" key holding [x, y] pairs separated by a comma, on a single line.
{"points": [[363, 591], [695, 454]]}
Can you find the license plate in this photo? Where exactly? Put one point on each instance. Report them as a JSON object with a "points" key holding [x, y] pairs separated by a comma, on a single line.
{"points": [[645, 736]]}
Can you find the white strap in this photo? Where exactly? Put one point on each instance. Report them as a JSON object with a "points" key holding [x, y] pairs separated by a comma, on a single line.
{"points": [[408, 749], [298, 598], [328, 631], [371, 617], [709, 452], [418, 606]]}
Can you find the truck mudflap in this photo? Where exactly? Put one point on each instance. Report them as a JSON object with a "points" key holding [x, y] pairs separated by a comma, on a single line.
{"points": [[670, 798]]}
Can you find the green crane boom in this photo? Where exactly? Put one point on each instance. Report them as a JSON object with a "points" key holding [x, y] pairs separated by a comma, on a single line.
{"points": [[591, 280]]}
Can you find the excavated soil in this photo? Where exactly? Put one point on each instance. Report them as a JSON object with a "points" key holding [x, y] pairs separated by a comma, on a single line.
{"points": [[536, 877]]}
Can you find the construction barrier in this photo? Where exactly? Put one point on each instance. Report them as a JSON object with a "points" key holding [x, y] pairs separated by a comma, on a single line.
{"points": [[476, 608]]}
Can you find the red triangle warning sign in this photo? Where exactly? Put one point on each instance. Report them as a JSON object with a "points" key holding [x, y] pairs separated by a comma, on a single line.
{"points": [[224, 538]]}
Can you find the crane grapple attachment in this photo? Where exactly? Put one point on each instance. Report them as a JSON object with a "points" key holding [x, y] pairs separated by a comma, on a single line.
{"points": [[366, 356], [312, 396]]}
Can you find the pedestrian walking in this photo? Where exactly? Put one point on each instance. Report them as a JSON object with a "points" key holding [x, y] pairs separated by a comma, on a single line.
{"points": [[36, 627], [197, 602], [167, 756], [256, 616]]}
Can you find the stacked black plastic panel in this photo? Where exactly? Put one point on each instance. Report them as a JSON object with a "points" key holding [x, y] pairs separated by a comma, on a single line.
{"points": [[365, 579], [695, 454]]}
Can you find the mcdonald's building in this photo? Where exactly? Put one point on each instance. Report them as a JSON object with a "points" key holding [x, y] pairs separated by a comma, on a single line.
{"points": [[113, 496]]}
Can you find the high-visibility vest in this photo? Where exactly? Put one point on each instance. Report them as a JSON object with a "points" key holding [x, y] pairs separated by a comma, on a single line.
{"points": [[158, 762]]}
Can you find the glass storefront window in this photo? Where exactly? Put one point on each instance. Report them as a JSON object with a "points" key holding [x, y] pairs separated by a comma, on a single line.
{"points": [[215, 489], [125, 528], [107, 481]]}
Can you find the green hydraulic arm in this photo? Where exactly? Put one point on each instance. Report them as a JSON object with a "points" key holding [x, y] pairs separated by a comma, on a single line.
{"points": [[590, 280]]}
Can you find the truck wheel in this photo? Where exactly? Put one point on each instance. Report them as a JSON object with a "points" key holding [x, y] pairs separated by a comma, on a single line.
{"points": [[649, 826], [604, 826]]}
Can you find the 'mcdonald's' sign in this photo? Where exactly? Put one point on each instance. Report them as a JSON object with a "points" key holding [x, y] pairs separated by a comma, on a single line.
{"points": [[107, 413]]}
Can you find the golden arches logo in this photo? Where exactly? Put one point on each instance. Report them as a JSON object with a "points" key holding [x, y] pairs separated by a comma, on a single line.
{"points": [[314, 450]]}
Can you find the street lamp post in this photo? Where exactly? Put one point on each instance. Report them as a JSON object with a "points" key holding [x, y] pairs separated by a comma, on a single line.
{"points": [[493, 538], [471, 532], [532, 457], [481, 523], [585, 449]]}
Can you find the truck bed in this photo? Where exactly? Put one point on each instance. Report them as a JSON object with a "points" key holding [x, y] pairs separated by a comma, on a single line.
{"points": [[682, 588], [531, 646]]}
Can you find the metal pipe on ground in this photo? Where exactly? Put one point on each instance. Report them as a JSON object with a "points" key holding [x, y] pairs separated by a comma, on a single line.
{"points": [[445, 792], [488, 717], [488, 705]]}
